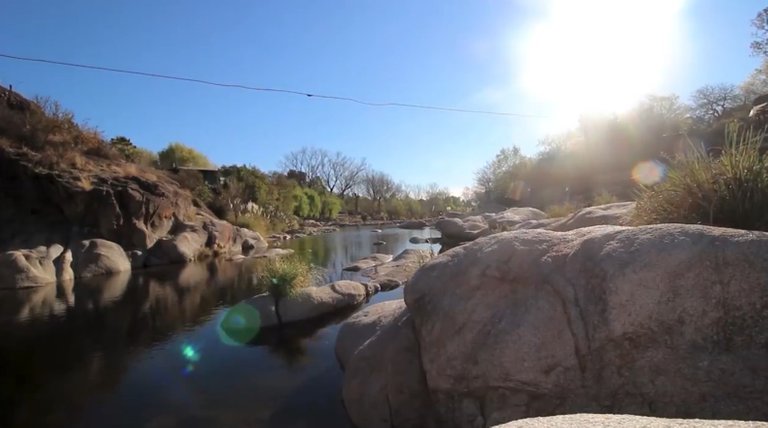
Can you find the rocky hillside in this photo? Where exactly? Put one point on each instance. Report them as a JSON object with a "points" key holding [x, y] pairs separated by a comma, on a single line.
{"points": [[61, 184]]}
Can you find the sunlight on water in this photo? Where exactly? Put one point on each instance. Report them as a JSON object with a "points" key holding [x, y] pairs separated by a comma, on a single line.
{"points": [[649, 172], [239, 325]]}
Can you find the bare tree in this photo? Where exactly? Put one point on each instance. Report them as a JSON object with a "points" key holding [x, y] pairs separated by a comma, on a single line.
{"points": [[710, 102], [759, 45], [378, 186], [340, 173], [308, 160], [757, 82], [336, 172]]}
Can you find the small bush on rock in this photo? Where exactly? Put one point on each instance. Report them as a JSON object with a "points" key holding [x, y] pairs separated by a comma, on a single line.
{"points": [[728, 191], [283, 277]]}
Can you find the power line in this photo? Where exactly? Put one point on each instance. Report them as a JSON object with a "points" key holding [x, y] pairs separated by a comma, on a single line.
{"points": [[260, 89]]}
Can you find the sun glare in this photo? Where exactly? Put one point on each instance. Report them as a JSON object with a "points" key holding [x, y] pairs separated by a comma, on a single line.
{"points": [[598, 56]]}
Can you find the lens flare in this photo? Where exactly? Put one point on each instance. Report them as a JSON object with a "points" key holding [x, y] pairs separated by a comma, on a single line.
{"points": [[239, 325], [190, 353], [649, 172]]}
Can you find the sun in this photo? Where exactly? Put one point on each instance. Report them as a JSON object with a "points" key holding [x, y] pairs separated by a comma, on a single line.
{"points": [[599, 56]]}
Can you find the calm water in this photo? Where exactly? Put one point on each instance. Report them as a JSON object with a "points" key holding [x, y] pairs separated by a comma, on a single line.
{"points": [[145, 350]]}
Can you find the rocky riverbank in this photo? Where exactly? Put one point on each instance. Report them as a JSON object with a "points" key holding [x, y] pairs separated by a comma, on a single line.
{"points": [[560, 316]]}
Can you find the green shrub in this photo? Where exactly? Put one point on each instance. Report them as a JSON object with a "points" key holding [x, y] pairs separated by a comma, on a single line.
{"points": [[178, 154], [561, 210], [283, 277], [729, 191]]}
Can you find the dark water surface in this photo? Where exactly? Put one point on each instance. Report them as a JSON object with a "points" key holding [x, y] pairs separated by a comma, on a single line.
{"points": [[145, 349]]}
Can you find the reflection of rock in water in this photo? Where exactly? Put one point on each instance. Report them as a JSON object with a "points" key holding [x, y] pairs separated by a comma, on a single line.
{"points": [[100, 291], [50, 370], [30, 303], [287, 342]]}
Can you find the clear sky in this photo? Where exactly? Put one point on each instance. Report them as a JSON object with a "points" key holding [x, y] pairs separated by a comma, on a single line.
{"points": [[551, 57]]}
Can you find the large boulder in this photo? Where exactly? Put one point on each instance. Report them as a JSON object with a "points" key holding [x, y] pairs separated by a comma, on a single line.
{"points": [[368, 262], [28, 268], [663, 320], [624, 421], [537, 224], [364, 325], [99, 257], [63, 264], [455, 230], [184, 246], [399, 271], [617, 214], [310, 302], [412, 224], [384, 384], [514, 216]]}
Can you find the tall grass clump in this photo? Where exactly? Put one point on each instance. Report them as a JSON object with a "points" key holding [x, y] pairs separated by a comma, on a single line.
{"points": [[730, 190], [283, 277]]}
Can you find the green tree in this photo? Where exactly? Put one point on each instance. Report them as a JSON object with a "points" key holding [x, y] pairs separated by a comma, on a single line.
{"points": [[314, 203], [502, 180], [178, 154], [300, 203], [331, 206]]}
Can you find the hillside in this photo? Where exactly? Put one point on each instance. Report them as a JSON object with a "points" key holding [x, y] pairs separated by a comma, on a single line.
{"points": [[60, 183]]}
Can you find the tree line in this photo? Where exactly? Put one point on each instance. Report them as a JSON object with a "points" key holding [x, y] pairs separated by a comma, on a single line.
{"points": [[312, 183]]}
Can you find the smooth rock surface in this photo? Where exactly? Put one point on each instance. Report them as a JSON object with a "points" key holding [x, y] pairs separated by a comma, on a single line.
{"points": [[384, 385], [624, 421], [663, 320], [362, 326], [368, 262], [399, 271], [667, 319], [455, 230], [617, 214], [27, 268], [310, 302], [183, 247], [514, 216], [63, 265], [99, 257]]}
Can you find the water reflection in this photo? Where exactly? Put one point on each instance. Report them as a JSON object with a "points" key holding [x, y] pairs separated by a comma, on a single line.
{"points": [[336, 250], [144, 349], [64, 342]]}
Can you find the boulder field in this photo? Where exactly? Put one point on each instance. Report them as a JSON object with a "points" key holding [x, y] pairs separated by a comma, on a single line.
{"points": [[669, 321], [457, 231]]}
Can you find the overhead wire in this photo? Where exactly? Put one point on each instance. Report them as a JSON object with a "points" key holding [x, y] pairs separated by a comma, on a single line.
{"points": [[267, 89]]}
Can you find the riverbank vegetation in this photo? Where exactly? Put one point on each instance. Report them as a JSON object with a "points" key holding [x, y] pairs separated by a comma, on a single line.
{"points": [[313, 183], [699, 161]]}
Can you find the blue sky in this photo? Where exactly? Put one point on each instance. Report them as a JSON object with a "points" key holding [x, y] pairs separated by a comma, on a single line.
{"points": [[519, 56]]}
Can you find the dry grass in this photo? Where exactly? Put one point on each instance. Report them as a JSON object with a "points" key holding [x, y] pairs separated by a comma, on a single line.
{"points": [[604, 198], [251, 222], [561, 210], [728, 191]]}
